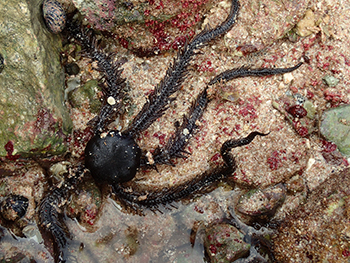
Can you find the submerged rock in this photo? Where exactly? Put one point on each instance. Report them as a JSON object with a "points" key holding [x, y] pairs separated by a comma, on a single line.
{"points": [[85, 205], [262, 202], [224, 243], [86, 95]]}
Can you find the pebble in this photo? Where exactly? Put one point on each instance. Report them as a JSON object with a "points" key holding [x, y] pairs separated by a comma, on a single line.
{"points": [[330, 81], [72, 68], [305, 26], [288, 78]]}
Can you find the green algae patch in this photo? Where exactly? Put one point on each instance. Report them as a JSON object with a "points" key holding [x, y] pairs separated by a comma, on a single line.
{"points": [[335, 127]]}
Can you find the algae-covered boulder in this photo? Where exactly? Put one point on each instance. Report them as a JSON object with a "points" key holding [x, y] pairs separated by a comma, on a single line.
{"points": [[33, 117]]}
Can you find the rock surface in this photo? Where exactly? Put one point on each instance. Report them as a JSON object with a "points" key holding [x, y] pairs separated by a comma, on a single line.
{"points": [[224, 243], [302, 163], [33, 115], [152, 26], [258, 202], [320, 229]]}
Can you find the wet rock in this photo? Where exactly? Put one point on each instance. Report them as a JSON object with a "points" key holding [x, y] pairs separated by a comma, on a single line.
{"points": [[159, 26], [262, 202], [25, 181], [320, 229], [86, 96], [156, 26], [107, 17], [85, 205], [33, 117], [224, 243], [335, 127]]}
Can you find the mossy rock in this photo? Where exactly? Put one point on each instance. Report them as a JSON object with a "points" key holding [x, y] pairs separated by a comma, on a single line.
{"points": [[34, 119]]}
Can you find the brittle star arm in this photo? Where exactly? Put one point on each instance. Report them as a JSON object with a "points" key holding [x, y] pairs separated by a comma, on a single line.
{"points": [[154, 199], [179, 140], [158, 101], [113, 83], [248, 72], [50, 212], [177, 143]]}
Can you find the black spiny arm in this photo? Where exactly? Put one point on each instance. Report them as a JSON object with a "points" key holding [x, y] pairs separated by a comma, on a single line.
{"points": [[50, 212], [113, 82], [157, 102], [248, 72], [228, 145], [177, 143], [154, 199]]}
